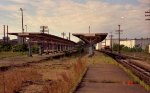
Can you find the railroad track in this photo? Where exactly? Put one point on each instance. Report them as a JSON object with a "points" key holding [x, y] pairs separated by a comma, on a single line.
{"points": [[140, 70]]}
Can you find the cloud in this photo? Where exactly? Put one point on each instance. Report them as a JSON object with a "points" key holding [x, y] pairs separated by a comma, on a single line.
{"points": [[69, 16], [145, 1]]}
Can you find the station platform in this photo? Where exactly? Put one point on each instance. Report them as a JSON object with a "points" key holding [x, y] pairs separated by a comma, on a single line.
{"points": [[108, 78]]}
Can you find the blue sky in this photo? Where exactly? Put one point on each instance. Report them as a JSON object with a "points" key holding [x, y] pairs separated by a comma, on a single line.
{"points": [[76, 15]]}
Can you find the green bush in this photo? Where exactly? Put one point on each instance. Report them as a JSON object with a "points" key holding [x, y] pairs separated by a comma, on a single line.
{"points": [[136, 49], [5, 47], [116, 46], [35, 49], [127, 49], [20, 48], [146, 49]]}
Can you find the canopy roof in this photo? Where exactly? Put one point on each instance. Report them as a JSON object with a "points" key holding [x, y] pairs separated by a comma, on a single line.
{"points": [[91, 38], [43, 37]]}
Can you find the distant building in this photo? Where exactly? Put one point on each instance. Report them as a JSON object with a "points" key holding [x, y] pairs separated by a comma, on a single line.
{"points": [[143, 43]]}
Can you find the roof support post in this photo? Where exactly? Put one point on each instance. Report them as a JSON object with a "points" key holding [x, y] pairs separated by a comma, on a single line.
{"points": [[29, 46], [40, 49], [91, 50]]}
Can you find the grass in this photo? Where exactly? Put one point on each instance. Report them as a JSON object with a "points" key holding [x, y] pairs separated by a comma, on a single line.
{"points": [[135, 78], [10, 54], [142, 55], [56, 76]]}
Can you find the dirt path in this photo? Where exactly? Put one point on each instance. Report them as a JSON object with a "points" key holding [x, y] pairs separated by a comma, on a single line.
{"points": [[108, 78]]}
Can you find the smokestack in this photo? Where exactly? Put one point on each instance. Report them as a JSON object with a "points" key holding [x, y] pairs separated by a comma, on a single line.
{"points": [[7, 33], [4, 34]]}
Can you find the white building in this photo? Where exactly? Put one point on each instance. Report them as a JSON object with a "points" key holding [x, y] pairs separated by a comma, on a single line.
{"points": [[143, 43]]}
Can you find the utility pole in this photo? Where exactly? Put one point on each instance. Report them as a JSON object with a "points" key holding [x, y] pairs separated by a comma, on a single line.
{"points": [[147, 14], [119, 38], [111, 41], [22, 22], [63, 34], [44, 29], [22, 19], [4, 35], [7, 34]]}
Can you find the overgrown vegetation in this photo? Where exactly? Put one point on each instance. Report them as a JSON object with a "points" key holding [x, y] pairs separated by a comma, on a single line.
{"points": [[20, 48], [127, 49], [17, 48], [5, 47], [57, 76], [35, 49]]}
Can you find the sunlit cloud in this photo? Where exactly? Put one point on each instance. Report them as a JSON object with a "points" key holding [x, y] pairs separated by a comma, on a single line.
{"points": [[75, 17]]}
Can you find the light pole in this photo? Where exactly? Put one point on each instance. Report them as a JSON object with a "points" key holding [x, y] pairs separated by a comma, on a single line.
{"points": [[22, 19], [22, 24]]}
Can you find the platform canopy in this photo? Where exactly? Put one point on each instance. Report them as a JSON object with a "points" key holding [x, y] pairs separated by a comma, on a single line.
{"points": [[91, 38], [43, 37]]}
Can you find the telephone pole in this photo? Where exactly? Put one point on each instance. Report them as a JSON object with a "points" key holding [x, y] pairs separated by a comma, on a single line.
{"points": [[22, 24], [7, 35], [4, 35], [119, 38], [44, 29]]}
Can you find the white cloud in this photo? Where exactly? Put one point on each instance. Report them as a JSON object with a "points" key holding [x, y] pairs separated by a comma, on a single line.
{"points": [[68, 16], [145, 1]]}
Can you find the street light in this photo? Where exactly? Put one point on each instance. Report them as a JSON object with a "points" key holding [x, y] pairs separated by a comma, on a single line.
{"points": [[22, 19], [22, 24]]}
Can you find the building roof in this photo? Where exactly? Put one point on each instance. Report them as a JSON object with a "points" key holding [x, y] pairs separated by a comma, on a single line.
{"points": [[91, 37], [40, 37]]}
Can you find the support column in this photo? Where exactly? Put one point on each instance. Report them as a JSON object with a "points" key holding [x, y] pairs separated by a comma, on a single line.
{"points": [[57, 47], [30, 49], [90, 49], [40, 49]]}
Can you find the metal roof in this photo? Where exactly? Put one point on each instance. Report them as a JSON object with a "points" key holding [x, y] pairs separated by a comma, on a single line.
{"points": [[40, 37], [91, 37]]}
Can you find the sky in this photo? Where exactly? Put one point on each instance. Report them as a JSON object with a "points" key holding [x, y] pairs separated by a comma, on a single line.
{"points": [[75, 16]]}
